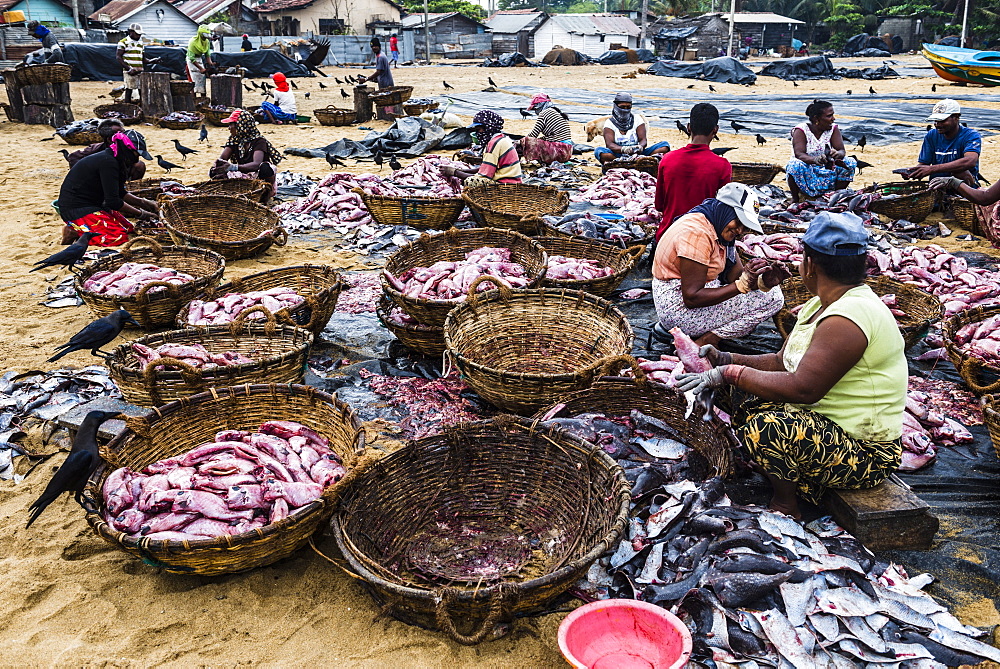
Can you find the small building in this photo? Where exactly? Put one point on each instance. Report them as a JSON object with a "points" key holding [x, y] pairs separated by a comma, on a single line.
{"points": [[325, 17], [238, 13], [591, 34], [909, 29], [688, 39], [515, 30], [765, 29], [453, 35], [49, 12], [160, 20]]}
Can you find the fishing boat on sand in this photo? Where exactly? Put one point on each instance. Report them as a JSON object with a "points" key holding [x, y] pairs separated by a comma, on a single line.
{"points": [[964, 65]]}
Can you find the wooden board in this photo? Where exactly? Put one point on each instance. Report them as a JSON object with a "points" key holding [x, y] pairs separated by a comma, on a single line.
{"points": [[184, 102], [14, 96], [888, 516]]}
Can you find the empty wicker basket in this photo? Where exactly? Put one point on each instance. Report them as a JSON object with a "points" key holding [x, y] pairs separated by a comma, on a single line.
{"points": [[233, 227], [463, 531], [333, 116], [423, 213], [912, 201], [755, 174], [522, 349], [517, 207], [620, 261], [257, 190]]}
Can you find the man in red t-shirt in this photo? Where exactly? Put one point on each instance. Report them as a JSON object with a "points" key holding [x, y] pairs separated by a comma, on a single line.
{"points": [[688, 176], [394, 48]]}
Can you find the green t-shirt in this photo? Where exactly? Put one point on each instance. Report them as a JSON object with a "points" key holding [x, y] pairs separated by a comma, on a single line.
{"points": [[868, 402], [197, 48]]}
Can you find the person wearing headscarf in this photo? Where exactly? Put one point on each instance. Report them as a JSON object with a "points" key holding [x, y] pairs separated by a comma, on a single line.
{"points": [[626, 134], [51, 51], [500, 160], [283, 108], [699, 282], [93, 197], [107, 129], [247, 155], [550, 140], [199, 58]]}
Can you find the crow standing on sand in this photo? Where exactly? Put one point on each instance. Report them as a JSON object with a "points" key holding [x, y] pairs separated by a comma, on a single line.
{"points": [[862, 142], [203, 133], [69, 256], [292, 82], [334, 161], [65, 154], [447, 85], [711, 88], [394, 163], [344, 94], [339, 82], [680, 126], [861, 164], [322, 85], [76, 469], [306, 94], [378, 160], [492, 83], [183, 150], [96, 334], [871, 91], [166, 164], [760, 140], [933, 88], [737, 127], [525, 114]]}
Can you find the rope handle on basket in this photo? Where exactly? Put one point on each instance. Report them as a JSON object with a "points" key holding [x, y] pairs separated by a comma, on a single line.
{"points": [[505, 291], [608, 367], [285, 314], [634, 252], [189, 374], [172, 289], [240, 321], [279, 235], [969, 372], [443, 617], [126, 248]]}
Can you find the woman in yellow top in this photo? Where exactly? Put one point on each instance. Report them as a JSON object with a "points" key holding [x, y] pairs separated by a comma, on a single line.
{"points": [[832, 399]]}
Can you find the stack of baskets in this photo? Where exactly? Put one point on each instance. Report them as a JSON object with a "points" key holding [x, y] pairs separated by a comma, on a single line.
{"points": [[755, 174], [982, 377], [160, 307], [127, 113], [518, 207], [647, 164], [394, 95], [620, 261], [333, 116], [422, 213], [233, 227], [912, 200], [214, 116], [177, 427], [417, 110]]}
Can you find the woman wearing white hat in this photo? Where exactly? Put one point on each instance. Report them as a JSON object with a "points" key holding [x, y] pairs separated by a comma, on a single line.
{"points": [[699, 282]]}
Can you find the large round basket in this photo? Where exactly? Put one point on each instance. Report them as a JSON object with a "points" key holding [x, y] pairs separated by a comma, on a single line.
{"points": [[234, 227], [177, 427], [755, 174], [154, 308], [912, 201], [423, 213], [320, 285], [417, 110], [617, 396], [148, 189], [965, 214], [182, 125], [517, 207], [279, 353], [257, 190], [394, 95], [127, 113], [991, 416], [82, 138], [979, 375], [621, 262], [426, 339], [465, 530], [214, 116], [647, 164], [922, 309], [334, 116], [522, 349], [49, 73], [451, 246], [179, 87]]}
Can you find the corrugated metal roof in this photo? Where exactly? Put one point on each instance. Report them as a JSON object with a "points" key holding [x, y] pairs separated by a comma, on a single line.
{"points": [[281, 5], [757, 17], [512, 23], [198, 10], [119, 10], [414, 20], [596, 24]]}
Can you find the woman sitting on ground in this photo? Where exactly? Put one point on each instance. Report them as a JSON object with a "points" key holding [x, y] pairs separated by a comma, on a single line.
{"points": [[550, 140], [247, 155], [500, 161], [699, 282], [831, 401], [819, 161], [626, 134], [283, 109]]}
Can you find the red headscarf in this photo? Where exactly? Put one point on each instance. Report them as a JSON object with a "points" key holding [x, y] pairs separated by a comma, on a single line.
{"points": [[280, 82]]}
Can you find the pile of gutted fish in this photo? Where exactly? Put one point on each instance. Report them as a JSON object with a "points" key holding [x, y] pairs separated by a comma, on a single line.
{"points": [[576, 269], [182, 117], [981, 340], [628, 192], [239, 482], [225, 309], [778, 246], [130, 278], [778, 207], [360, 294], [559, 174], [592, 226], [81, 125], [451, 280], [425, 173], [195, 355], [926, 427], [48, 395], [400, 317], [425, 406]]}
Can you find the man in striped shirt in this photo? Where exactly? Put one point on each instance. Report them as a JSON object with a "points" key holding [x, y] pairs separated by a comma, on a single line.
{"points": [[131, 55]]}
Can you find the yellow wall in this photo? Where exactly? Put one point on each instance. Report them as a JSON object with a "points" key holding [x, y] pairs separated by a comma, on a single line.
{"points": [[356, 13]]}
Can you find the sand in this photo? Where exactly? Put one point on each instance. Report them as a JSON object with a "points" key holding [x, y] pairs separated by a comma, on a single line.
{"points": [[67, 598]]}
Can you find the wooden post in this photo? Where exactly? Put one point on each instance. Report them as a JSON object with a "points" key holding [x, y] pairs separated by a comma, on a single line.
{"points": [[182, 94], [227, 90], [14, 95], [54, 115], [154, 91], [362, 104], [45, 94]]}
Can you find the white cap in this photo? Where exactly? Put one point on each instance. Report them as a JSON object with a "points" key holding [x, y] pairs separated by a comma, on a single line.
{"points": [[944, 109], [744, 201], [135, 27]]}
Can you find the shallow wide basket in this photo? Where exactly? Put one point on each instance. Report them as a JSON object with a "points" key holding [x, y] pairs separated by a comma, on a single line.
{"points": [[549, 230], [417, 110], [755, 174], [514, 486], [969, 367], [335, 116], [234, 227], [176, 428], [178, 87], [621, 262], [128, 113], [426, 339], [517, 207], [148, 189], [257, 190], [964, 213], [922, 308], [451, 246], [915, 203], [48, 73], [394, 95], [182, 125], [423, 213], [320, 285], [160, 307], [279, 353], [82, 138], [215, 116], [647, 164], [522, 349]]}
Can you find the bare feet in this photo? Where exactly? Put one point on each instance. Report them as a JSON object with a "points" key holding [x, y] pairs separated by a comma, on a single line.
{"points": [[785, 508]]}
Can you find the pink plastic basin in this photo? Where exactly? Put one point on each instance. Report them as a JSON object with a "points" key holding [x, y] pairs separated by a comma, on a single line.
{"points": [[624, 634]]}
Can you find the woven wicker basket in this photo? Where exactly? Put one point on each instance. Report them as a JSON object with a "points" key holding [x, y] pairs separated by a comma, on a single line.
{"points": [[177, 427], [771, 226], [417, 110], [423, 213], [468, 157], [215, 116], [914, 205], [49, 73], [992, 419], [621, 261], [755, 174], [647, 164], [922, 309], [426, 339], [965, 214], [617, 396], [182, 125], [517, 207], [335, 116], [522, 349], [452, 245], [179, 87], [649, 228], [320, 285], [127, 113], [501, 480], [234, 227], [279, 353], [159, 308], [394, 95], [148, 189], [970, 368], [257, 190], [83, 138]]}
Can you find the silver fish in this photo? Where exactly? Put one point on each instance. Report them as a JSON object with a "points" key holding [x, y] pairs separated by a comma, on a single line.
{"points": [[904, 614], [899, 651], [921, 604], [847, 602], [652, 567], [777, 524], [667, 449], [865, 634], [785, 638], [956, 641], [827, 625], [799, 598]]}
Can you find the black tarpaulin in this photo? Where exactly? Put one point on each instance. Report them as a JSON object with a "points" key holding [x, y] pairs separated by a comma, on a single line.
{"points": [[616, 57], [855, 44], [645, 56], [566, 57], [723, 70], [408, 137], [871, 73], [510, 60], [813, 67]]}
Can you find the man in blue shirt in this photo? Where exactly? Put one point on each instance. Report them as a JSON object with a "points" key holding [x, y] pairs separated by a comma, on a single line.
{"points": [[950, 149]]}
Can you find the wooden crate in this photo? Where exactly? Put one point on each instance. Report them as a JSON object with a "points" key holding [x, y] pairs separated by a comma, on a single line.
{"points": [[887, 517]]}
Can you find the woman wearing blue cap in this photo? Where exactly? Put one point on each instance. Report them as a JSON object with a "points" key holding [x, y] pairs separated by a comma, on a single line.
{"points": [[831, 401]]}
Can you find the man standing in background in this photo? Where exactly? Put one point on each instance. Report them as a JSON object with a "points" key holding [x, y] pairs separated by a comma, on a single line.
{"points": [[199, 58], [394, 48], [131, 55]]}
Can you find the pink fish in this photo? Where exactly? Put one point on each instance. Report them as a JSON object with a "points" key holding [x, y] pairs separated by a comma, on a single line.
{"points": [[327, 471], [296, 494], [279, 511], [207, 504], [206, 527], [166, 522], [687, 351], [129, 521], [242, 497]]}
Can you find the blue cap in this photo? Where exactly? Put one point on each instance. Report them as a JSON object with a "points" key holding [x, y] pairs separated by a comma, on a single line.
{"points": [[837, 234]]}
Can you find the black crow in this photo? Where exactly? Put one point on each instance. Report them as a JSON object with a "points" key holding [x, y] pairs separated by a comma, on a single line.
{"points": [[680, 126], [447, 85], [166, 164], [96, 334], [69, 256], [760, 140], [394, 163], [737, 127], [721, 151], [203, 133], [492, 83], [862, 142], [183, 150]]}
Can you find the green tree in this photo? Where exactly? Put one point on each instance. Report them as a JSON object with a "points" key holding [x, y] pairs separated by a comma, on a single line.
{"points": [[470, 9]]}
